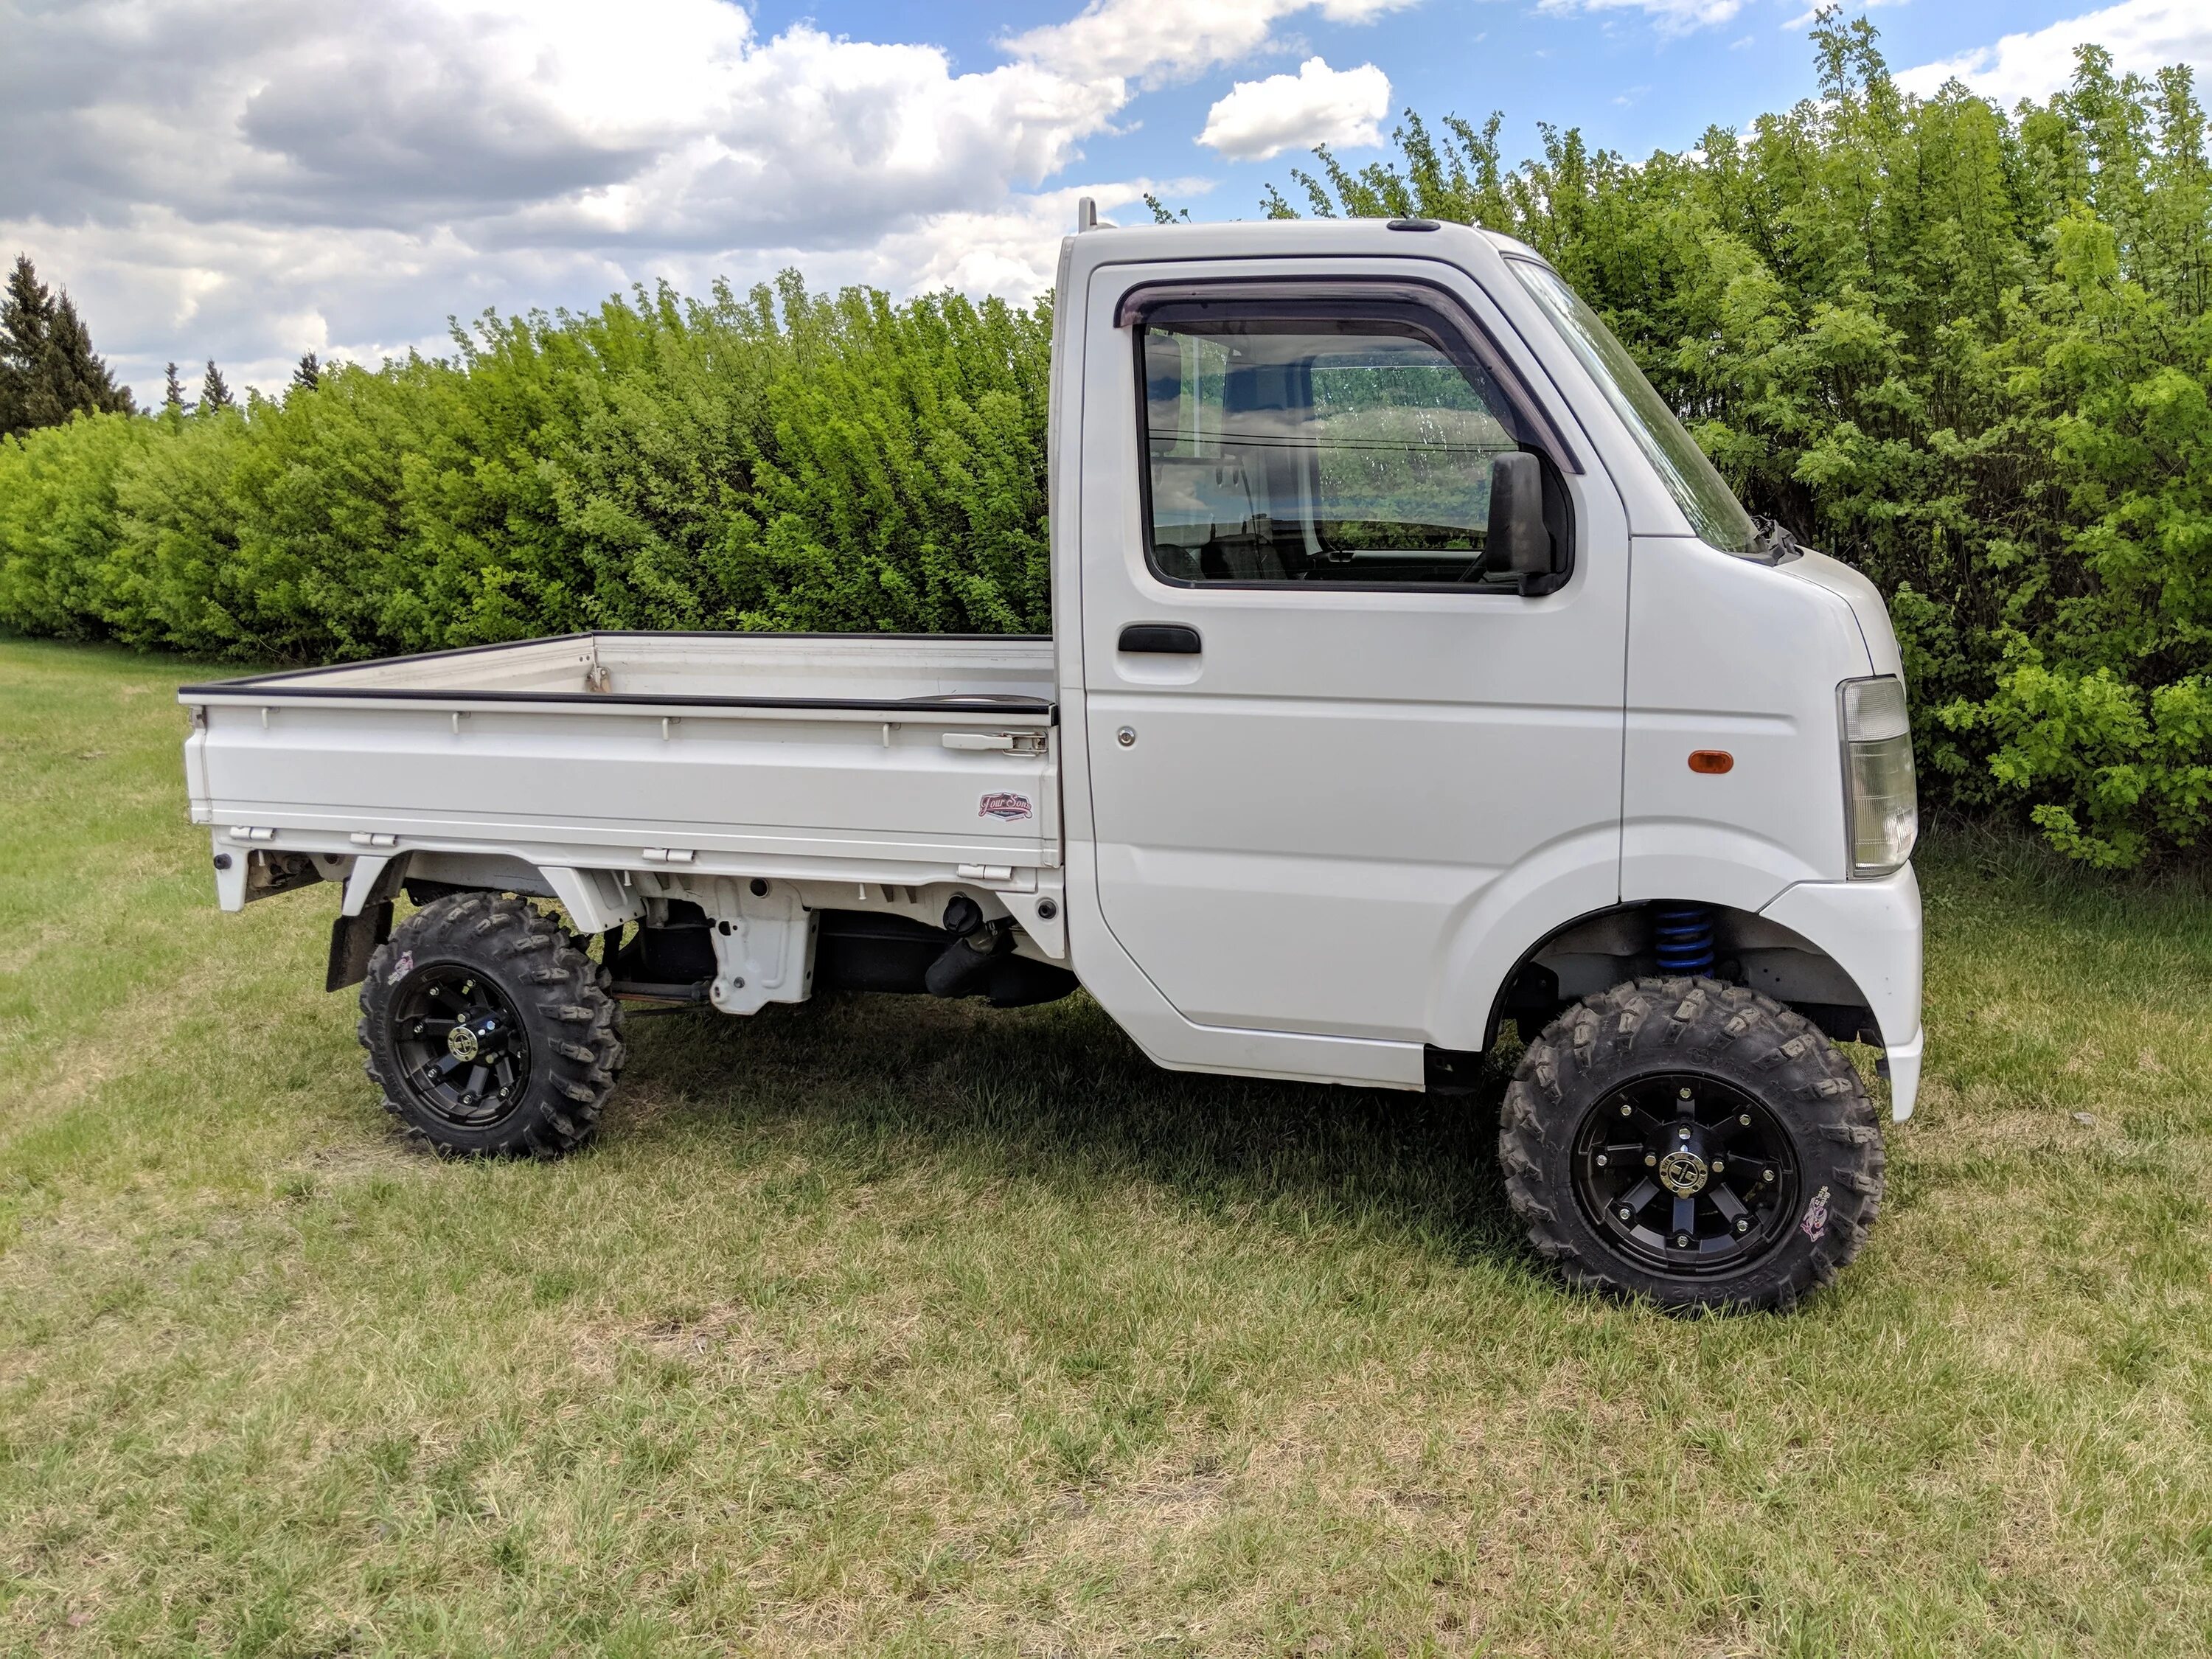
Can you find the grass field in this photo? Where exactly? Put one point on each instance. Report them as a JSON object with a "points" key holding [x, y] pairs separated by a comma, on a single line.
{"points": [[893, 1327]]}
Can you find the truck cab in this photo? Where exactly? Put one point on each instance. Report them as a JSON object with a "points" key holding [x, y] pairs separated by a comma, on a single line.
{"points": [[1414, 679]]}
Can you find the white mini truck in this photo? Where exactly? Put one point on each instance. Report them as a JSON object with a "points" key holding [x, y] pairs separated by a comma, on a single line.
{"points": [[1413, 673]]}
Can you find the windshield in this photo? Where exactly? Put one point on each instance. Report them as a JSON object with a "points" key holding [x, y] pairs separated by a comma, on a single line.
{"points": [[1696, 485]]}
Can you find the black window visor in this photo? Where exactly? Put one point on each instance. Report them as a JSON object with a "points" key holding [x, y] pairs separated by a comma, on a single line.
{"points": [[1427, 309]]}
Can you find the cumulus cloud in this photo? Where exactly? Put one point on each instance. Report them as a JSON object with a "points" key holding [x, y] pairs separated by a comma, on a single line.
{"points": [[2142, 35], [251, 179], [1164, 41], [1317, 106]]}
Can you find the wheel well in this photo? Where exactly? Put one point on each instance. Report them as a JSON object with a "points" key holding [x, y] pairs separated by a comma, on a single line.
{"points": [[1596, 951]]}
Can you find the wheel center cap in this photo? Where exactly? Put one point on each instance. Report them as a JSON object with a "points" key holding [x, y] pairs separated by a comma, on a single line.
{"points": [[461, 1042], [1682, 1172]]}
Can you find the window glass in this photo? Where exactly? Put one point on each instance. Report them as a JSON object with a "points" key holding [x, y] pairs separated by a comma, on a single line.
{"points": [[1693, 481], [1314, 450]]}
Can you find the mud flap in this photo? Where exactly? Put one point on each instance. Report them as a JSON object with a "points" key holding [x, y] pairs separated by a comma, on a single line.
{"points": [[354, 940]]}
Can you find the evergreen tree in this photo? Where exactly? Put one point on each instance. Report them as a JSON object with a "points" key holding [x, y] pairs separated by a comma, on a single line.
{"points": [[173, 391], [214, 390], [27, 319], [309, 375], [48, 369], [75, 377]]}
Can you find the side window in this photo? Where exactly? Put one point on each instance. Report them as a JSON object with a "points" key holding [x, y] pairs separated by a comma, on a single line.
{"points": [[1318, 448]]}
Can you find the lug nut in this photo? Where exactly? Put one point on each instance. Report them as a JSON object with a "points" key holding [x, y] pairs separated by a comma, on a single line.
{"points": [[1600, 1160], [1744, 1120], [1650, 1159], [1682, 1241], [1766, 1175], [1683, 1094], [1625, 1109], [1743, 1224], [1682, 1135], [1719, 1166], [1626, 1214]]}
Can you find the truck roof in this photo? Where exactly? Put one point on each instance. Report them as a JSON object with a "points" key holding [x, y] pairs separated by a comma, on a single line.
{"points": [[1108, 244]]}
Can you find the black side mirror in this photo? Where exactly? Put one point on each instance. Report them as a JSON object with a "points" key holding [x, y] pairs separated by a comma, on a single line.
{"points": [[1518, 539]]}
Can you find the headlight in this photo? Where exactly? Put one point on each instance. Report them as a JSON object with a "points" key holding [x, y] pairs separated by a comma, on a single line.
{"points": [[1881, 800]]}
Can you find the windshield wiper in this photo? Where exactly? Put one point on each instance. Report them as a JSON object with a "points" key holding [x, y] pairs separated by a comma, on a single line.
{"points": [[1775, 541]]}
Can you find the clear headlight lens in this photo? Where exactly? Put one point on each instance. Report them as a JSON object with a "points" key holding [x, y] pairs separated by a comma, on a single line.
{"points": [[1882, 798]]}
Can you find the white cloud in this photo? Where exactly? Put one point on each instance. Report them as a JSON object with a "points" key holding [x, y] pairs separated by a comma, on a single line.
{"points": [[1671, 17], [252, 179], [2141, 36], [1317, 106], [1169, 40]]}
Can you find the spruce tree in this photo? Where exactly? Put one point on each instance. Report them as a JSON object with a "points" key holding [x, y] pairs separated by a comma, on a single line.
{"points": [[48, 369], [27, 319], [76, 379], [214, 390], [309, 375], [173, 391]]}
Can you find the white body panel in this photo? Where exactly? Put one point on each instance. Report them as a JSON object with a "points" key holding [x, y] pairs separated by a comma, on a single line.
{"points": [[1716, 661], [848, 763], [1342, 830], [1317, 804]]}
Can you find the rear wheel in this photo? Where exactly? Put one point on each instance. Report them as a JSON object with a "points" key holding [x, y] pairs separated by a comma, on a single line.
{"points": [[1693, 1143], [488, 1032]]}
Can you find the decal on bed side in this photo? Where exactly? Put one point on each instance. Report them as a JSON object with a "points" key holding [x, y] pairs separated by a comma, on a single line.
{"points": [[1005, 805]]}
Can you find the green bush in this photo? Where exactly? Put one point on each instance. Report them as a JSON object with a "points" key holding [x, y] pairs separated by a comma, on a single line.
{"points": [[1968, 351], [784, 460], [60, 525]]}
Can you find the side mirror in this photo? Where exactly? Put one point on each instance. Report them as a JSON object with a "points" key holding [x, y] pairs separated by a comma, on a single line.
{"points": [[1518, 540]]}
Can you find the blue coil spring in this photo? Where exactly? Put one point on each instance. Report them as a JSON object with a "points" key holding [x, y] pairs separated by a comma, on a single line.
{"points": [[1684, 936]]}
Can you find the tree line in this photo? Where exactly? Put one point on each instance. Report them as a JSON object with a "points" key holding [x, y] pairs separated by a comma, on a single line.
{"points": [[1966, 349]]}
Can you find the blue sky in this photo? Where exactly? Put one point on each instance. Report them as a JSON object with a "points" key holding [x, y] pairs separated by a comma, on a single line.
{"points": [[248, 179], [1631, 78]]}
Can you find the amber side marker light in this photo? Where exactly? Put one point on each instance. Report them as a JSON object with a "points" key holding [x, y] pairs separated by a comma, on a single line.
{"points": [[1712, 762]]}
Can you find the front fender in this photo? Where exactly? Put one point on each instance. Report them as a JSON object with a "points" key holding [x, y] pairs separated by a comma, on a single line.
{"points": [[1872, 931]]}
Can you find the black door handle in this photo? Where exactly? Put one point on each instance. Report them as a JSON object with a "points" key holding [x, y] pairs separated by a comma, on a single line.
{"points": [[1167, 639]]}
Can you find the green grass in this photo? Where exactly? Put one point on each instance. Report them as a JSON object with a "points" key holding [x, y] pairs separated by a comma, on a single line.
{"points": [[905, 1328]]}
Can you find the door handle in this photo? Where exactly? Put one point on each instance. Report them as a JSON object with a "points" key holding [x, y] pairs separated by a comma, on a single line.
{"points": [[1166, 639]]}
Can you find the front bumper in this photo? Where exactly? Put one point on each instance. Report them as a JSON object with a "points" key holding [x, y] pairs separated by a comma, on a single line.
{"points": [[1871, 929]]}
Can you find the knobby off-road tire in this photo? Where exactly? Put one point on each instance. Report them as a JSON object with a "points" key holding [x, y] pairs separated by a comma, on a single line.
{"points": [[1642, 1091], [489, 1030]]}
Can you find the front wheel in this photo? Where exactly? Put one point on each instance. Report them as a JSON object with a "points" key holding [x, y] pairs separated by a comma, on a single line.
{"points": [[1693, 1143], [488, 1032]]}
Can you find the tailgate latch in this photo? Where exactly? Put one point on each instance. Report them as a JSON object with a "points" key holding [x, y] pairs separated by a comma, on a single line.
{"points": [[1002, 743]]}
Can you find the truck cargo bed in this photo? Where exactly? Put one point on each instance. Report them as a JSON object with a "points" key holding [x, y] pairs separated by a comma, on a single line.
{"points": [[856, 755]]}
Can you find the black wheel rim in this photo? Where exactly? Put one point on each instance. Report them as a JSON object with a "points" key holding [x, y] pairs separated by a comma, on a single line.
{"points": [[1685, 1175], [463, 1056]]}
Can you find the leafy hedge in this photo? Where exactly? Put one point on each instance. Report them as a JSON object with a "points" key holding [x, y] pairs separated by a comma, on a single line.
{"points": [[782, 461], [1968, 351]]}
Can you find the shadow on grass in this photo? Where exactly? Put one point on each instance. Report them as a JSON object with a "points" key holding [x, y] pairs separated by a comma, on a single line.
{"points": [[1059, 1096]]}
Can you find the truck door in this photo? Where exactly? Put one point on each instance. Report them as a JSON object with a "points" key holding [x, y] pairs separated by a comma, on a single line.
{"points": [[1327, 744]]}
